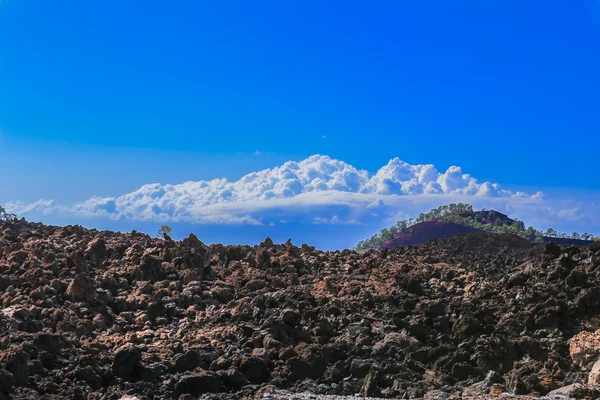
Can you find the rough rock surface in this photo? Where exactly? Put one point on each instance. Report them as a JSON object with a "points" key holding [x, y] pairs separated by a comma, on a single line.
{"points": [[585, 348], [594, 377], [103, 315]]}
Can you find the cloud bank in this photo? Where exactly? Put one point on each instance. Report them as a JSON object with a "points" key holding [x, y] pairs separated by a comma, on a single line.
{"points": [[317, 190]]}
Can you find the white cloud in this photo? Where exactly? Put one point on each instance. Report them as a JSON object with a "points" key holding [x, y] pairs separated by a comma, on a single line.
{"points": [[40, 206], [376, 204], [309, 187], [572, 214], [335, 220]]}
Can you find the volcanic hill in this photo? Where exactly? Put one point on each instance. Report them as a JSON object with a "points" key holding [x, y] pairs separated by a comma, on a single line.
{"points": [[427, 231], [458, 219], [96, 315]]}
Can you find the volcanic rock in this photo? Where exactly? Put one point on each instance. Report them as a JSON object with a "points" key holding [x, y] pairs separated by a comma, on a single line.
{"points": [[96, 252], [584, 348], [197, 384], [594, 376], [188, 361], [81, 288], [91, 315], [127, 362]]}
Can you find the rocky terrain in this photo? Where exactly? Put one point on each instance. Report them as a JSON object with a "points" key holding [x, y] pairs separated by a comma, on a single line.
{"points": [[103, 315]]}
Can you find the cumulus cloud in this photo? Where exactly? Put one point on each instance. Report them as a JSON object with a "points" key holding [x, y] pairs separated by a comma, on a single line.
{"points": [[310, 186]]}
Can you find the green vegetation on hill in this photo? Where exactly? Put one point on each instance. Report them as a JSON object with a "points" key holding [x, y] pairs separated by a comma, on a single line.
{"points": [[463, 214]]}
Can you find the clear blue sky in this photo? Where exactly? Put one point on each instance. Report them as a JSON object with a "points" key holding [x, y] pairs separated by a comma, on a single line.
{"points": [[102, 97]]}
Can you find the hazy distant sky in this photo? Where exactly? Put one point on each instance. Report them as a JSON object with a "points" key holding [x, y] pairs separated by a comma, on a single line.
{"points": [[98, 99]]}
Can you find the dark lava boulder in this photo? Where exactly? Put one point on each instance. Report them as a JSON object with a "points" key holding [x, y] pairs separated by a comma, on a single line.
{"points": [[127, 362]]}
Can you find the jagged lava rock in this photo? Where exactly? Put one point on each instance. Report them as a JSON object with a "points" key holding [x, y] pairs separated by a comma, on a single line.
{"points": [[90, 314], [584, 348]]}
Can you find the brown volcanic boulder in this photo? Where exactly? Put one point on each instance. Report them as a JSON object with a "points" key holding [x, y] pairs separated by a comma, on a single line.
{"points": [[188, 361], [553, 249], [594, 376], [77, 262], [81, 288], [150, 269], [189, 275], [584, 348], [467, 325], [127, 362], [255, 369], [197, 384], [96, 252], [192, 241], [291, 317]]}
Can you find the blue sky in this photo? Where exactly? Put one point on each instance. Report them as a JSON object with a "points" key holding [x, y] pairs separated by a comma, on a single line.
{"points": [[101, 99]]}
